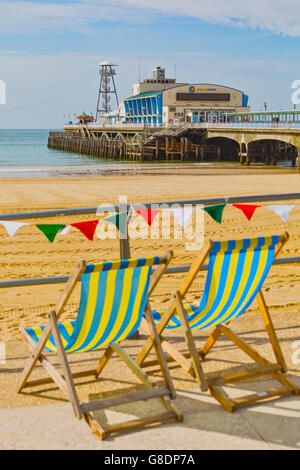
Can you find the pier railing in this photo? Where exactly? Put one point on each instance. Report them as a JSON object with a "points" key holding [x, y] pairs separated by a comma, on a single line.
{"points": [[191, 125], [124, 243]]}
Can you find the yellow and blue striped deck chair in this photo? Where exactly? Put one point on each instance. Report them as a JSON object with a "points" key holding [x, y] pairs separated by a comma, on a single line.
{"points": [[237, 270], [114, 298]]}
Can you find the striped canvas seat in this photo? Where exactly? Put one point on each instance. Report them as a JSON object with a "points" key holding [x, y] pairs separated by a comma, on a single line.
{"points": [[112, 303], [236, 272]]}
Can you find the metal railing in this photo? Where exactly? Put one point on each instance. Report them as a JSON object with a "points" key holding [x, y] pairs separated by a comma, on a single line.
{"points": [[188, 125], [120, 207], [103, 209]]}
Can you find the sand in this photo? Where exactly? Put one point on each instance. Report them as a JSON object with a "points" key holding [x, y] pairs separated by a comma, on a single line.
{"points": [[28, 254]]}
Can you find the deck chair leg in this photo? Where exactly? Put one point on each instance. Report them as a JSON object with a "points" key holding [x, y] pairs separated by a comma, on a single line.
{"points": [[159, 328], [159, 393], [103, 360], [138, 371], [159, 352], [183, 290], [65, 366], [210, 342], [190, 342], [271, 330], [259, 359], [35, 356]]}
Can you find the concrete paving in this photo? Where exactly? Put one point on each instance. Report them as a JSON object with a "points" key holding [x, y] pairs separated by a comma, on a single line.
{"points": [[268, 425]]}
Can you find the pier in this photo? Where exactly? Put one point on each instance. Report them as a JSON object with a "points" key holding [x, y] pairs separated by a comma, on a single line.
{"points": [[246, 143]]}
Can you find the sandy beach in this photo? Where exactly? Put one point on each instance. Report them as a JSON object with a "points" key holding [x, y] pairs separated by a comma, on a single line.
{"points": [[28, 254]]}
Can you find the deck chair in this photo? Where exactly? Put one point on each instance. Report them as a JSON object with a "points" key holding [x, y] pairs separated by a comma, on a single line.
{"points": [[114, 297], [237, 270]]}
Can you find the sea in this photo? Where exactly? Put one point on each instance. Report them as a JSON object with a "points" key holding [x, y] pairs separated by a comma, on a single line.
{"points": [[24, 153]]}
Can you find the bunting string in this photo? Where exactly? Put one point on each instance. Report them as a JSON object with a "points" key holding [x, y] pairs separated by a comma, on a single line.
{"points": [[121, 219]]}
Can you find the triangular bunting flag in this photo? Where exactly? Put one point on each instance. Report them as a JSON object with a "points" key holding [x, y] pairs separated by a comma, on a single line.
{"points": [[50, 230], [64, 230], [130, 213], [282, 210], [88, 228], [247, 209], [12, 227], [216, 212], [148, 214], [182, 215], [119, 220]]}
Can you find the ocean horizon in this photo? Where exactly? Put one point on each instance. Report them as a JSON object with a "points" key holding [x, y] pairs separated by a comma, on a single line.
{"points": [[24, 153]]}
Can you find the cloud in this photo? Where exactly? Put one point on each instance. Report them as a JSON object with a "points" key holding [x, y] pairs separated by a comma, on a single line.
{"points": [[83, 16]]}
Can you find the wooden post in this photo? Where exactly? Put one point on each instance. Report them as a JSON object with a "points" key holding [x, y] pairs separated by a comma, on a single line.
{"points": [[182, 148], [167, 147], [186, 142], [202, 153], [157, 148]]}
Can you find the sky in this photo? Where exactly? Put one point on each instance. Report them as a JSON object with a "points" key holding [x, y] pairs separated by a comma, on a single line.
{"points": [[50, 51]]}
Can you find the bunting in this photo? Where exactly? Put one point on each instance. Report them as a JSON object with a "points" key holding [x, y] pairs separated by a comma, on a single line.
{"points": [[216, 212], [282, 210], [12, 227], [182, 215], [50, 230], [148, 214], [87, 228], [247, 209], [64, 230], [119, 220]]}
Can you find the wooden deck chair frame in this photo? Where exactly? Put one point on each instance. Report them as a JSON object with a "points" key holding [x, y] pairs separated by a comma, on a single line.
{"points": [[66, 381], [191, 360]]}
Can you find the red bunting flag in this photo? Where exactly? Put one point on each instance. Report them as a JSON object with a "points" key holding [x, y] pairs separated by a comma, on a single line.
{"points": [[148, 214], [247, 209], [87, 228]]}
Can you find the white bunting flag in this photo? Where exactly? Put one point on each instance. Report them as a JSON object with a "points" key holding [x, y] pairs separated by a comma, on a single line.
{"points": [[182, 215], [130, 214], [64, 230], [12, 227], [282, 210]]}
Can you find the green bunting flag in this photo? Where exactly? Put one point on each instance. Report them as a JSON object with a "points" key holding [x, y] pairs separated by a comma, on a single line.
{"points": [[119, 220], [216, 212], [50, 230]]}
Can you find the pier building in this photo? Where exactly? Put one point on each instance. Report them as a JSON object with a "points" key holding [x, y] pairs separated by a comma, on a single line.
{"points": [[160, 100], [166, 120]]}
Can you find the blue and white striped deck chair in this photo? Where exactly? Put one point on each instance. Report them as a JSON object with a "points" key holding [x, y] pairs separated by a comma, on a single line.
{"points": [[114, 298], [237, 270]]}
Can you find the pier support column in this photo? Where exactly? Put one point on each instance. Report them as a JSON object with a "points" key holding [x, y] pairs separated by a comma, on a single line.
{"points": [[186, 147], [182, 148], [157, 148], [167, 148], [294, 159], [202, 154]]}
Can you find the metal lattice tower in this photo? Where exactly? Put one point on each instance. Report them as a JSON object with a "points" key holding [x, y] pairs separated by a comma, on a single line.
{"points": [[107, 87]]}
